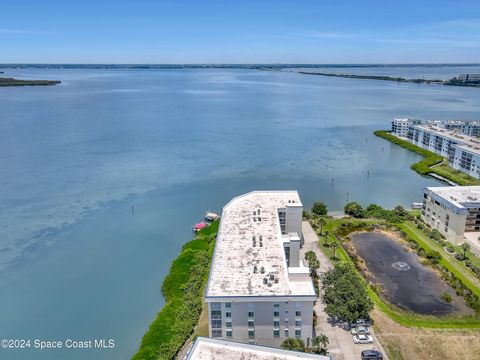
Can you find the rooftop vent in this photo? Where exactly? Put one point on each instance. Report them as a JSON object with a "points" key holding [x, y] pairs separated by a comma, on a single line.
{"points": [[262, 270], [271, 276], [255, 269], [259, 218], [276, 280], [265, 280], [254, 219], [270, 284]]}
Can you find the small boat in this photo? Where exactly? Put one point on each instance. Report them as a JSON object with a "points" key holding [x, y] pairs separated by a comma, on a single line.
{"points": [[199, 226], [211, 216]]}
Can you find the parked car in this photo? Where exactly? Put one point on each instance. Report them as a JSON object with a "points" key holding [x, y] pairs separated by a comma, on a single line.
{"points": [[371, 355], [361, 322], [362, 339], [360, 330]]}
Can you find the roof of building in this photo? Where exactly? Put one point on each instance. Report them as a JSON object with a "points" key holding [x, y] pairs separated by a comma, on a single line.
{"points": [[466, 142], [457, 198], [239, 267], [215, 349]]}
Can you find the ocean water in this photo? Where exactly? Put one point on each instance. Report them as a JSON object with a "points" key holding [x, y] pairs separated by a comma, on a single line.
{"points": [[76, 263]]}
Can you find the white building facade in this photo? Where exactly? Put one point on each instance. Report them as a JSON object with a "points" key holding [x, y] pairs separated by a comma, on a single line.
{"points": [[455, 212], [259, 291], [400, 127], [462, 151]]}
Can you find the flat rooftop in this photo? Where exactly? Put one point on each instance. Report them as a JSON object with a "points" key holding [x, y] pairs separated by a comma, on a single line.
{"points": [[233, 270], [460, 197], [467, 142], [214, 349]]}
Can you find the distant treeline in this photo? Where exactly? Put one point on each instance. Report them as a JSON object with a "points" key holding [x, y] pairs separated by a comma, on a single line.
{"points": [[220, 66], [451, 82], [17, 82]]}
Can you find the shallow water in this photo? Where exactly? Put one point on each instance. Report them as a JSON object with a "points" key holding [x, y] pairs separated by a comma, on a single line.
{"points": [[406, 282], [74, 158]]}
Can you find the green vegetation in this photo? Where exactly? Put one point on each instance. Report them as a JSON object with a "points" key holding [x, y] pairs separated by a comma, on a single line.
{"points": [[319, 208], [432, 163], [336, 230], [345, 294], [320, 344], [17, 82], [293, 344], [446, 297], [313, 265], [374, 211], [182, 289]]}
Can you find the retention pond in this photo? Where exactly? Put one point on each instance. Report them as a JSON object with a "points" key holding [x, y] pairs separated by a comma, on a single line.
{"points": [[406, 282]]}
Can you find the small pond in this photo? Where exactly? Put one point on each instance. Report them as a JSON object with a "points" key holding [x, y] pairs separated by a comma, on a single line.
{"points": [[406, 282]]}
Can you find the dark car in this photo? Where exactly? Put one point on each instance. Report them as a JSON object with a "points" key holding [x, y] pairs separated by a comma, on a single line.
{"points": [[371, 355]]}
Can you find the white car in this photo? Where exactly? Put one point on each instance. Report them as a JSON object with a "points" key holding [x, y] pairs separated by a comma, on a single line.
{"points": [[362, 339], [360, 330]]}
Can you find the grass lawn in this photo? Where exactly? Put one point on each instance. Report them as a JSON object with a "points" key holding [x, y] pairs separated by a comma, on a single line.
{"points": [[398, 315]]}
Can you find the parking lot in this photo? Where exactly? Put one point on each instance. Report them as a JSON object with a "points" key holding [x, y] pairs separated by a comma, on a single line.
{"points": [[341, 345]]}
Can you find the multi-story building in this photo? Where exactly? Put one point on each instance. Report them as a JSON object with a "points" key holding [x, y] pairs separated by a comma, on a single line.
{"points": [[455, 212], [216, 349], [400, 126], [259, 290], [469, 78], [462, 151]]}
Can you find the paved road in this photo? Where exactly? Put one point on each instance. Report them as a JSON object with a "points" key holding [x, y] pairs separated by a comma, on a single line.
{"points": [[341, 345]]}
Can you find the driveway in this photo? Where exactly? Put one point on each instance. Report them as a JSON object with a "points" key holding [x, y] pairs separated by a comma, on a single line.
{"points": [[341, 345]]}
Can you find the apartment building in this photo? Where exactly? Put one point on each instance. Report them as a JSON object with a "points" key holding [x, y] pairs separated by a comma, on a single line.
{"points": [[216, 349], [259, 291], [462, 151], [455, 212], [400, 127]]}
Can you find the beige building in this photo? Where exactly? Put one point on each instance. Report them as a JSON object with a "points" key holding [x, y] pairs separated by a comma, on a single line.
{"points": [[215, 349], [259, 291], [455, 212]]}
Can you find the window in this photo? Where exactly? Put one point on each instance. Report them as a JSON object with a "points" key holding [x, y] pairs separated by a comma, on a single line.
{"points": [[251, 314], [216, 333], [215, 306], [228, 324], [228, 314], [276, 313], [229, 333], [228, 305], [298, 333], [276, 306], [276, 324], [216, 324], [251, 324], [216, 314], [286, 333], [298, 323], [298, 313], [251, 334], [276, 333]]}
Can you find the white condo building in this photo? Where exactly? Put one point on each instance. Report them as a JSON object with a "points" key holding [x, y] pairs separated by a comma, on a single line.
{"points": [[455, 212], [400, 126], [259, 290], [215, 349], [462, 151]]}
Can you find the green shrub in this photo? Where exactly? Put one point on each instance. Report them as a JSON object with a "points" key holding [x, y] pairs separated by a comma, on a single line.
{"points": [[354, 209]]}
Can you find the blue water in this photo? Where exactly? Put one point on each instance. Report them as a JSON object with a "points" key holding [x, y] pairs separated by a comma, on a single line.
{"points": [[76, 263]]}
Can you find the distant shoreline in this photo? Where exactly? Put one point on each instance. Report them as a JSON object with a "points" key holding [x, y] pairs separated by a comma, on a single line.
{"points": [[222, 66], [451, 82], [17, 82]]}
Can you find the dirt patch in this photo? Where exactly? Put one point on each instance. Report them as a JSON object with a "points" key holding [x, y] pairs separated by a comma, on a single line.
{"points": [[410, 343]]}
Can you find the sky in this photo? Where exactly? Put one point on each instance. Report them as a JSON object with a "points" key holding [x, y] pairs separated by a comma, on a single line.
{"points": [[261, 31]]}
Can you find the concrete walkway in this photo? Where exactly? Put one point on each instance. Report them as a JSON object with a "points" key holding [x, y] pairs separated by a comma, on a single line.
{"points": [[341, 345]]}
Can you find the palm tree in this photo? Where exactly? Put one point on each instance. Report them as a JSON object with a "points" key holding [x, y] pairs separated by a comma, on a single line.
{"points": [[320, 344], [322, 222], [334, 245], [465, 247], [327, 234]]}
